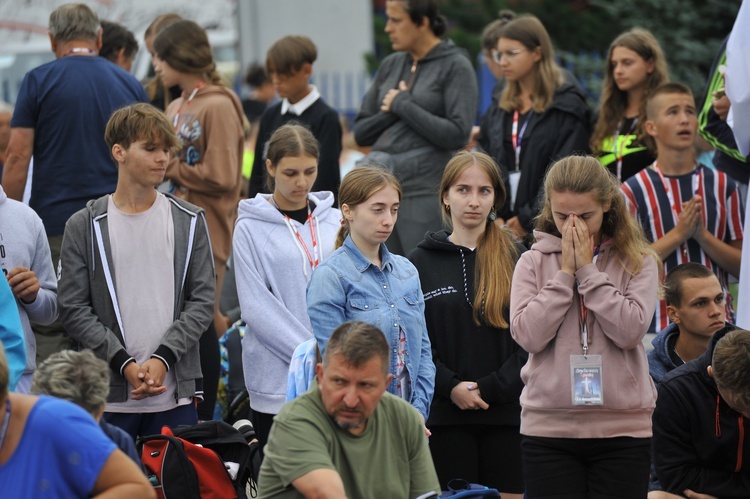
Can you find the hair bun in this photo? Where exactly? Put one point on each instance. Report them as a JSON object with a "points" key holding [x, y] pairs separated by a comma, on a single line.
{"points": [[439, 25]]}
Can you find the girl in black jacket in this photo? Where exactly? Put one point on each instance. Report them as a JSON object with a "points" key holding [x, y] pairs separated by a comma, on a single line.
{"points": [[465, 276], [540, 118]]}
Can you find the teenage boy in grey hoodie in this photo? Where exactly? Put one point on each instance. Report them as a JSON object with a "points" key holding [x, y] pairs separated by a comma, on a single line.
{"points": [[137, 282], [26, 263]]}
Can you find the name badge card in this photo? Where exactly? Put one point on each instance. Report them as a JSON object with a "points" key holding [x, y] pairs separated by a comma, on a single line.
{"points": [[586, 380]]}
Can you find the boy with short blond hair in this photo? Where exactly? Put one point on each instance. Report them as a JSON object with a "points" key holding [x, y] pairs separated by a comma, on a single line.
{"points": [[689, 212], [289, 63], [136, 282]]}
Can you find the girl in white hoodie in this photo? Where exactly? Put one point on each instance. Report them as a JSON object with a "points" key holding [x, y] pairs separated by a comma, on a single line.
{"points": [[279, 240]]}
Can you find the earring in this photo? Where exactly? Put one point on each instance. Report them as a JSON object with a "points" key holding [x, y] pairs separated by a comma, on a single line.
{"points": [[492, 216], [448, 208]]}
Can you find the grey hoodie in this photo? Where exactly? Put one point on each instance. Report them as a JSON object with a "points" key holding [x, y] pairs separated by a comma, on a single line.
{"points": [[23, 242], [272, 275], [436, 113], [88, 299]]}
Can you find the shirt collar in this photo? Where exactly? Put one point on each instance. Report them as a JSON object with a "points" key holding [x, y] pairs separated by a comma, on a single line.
{"points": [[360, 262], [301, 106]]}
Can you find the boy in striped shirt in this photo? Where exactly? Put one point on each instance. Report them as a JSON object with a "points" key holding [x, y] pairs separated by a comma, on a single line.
{"points": [[689, 212]]}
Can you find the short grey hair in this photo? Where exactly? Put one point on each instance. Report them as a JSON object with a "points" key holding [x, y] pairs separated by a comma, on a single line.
{"points": [[74, 21], [78, 377], [358, 342]]}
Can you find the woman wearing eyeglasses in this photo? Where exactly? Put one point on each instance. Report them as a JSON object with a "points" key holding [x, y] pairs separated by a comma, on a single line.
{"points": [[540, 118]]}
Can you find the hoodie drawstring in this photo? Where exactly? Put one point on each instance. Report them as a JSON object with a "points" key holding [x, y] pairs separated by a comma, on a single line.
{"points": [[740, 444], [717, 423]]}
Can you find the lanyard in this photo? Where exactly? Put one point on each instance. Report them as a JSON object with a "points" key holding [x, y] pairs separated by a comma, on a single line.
{"points": [[312, 258], [516, 137], [618, 153], [185, 104], [697, 184], [584, 312], [6, 420]]}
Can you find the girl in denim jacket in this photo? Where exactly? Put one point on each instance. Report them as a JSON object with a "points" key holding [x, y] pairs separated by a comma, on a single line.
{"points": [[363, 281]]}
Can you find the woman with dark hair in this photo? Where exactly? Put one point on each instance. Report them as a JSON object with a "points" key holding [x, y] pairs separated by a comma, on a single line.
{"points": [[208, 119], [540, 117], [418, 111]]}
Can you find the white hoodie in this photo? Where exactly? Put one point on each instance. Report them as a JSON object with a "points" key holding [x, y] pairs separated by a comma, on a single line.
{"points": [[23, 242], [272, 274]]}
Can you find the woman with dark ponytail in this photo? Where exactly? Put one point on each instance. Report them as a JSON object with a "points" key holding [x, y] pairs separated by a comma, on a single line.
{"points": [[418, 112], [363, 281]]}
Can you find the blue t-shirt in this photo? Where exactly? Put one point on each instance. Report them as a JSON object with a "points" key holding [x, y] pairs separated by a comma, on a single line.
{"points": [[68, 102], [61, 453]]}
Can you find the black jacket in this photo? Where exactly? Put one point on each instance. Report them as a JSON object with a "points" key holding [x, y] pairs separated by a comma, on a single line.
{"points": [[463, 351], [561, 130], [699, 441]]}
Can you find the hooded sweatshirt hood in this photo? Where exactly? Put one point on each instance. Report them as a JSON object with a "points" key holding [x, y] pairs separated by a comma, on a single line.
{"points": [[260, 208], [210, 91]]}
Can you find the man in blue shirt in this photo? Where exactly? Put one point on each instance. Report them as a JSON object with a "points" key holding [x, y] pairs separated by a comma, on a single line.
{"points": [[60, 115]]}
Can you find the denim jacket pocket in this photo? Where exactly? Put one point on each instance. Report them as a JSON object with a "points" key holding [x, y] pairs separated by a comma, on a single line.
{"points": [[364, 308]]}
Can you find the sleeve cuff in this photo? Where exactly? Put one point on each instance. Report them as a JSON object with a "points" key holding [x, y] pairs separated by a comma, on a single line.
{"points": [[165, 355], [120, 360]]}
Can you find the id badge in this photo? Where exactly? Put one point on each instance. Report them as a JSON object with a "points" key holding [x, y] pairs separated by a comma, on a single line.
{"points": [[513, 179], [586, 380]]}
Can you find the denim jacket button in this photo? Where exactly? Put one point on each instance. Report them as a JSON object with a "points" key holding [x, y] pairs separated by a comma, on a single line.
{"points": [[384, 286], [392, 305], [367, 306]]}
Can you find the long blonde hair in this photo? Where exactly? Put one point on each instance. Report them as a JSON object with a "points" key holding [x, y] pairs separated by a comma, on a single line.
{"points": [[584, 174], [496, 251], [614, 101], [530, 32], [357, 186]]}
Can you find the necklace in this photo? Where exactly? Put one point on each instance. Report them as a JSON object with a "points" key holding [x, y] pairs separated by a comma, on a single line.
{"points": [[80, 50], [678, 355], [6, 421]]}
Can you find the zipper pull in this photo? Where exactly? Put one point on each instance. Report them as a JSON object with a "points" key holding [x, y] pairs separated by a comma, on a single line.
{"points": [[414, 67]]}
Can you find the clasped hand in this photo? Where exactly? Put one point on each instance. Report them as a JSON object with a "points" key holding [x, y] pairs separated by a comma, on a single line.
{"points": [[690, 221], [385, 106], [467, 397], [147, 379], [577, 245]]}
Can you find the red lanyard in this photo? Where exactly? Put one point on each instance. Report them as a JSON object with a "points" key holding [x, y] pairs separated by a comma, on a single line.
{"points": [[618, 153], [585, 311], [697, 190], [312, 258], [516, 137], [186, 104]]}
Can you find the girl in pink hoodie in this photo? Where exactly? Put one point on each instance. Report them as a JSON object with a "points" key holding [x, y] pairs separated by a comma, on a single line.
{"points": [[581, 305]]}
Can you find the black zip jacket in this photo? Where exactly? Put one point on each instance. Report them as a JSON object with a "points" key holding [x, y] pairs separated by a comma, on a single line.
{"points": [[699, 441], [463, 351], [561, 130]]}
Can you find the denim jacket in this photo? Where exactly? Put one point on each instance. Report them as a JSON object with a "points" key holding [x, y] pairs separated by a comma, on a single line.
{"points": [[346, 287]]}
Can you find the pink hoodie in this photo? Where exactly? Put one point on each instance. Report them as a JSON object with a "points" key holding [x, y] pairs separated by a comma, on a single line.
{"points": [[544, 315]]}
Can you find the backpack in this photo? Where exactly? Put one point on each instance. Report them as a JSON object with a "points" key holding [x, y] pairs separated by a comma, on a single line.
{"points": [[465, 490], [189, 461]]}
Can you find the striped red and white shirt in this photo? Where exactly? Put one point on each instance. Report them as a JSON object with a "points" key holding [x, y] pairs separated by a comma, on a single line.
{"points": [[649, 201]]}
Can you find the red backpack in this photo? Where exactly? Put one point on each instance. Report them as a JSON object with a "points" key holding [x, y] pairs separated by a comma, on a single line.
{"points": [[188, 463]]}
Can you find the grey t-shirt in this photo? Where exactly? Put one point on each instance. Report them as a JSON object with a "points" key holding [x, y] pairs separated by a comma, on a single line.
{"points": [[143, 261]]}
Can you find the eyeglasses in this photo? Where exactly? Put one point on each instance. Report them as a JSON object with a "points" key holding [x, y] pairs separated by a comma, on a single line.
{"points": [[510, 54]]}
